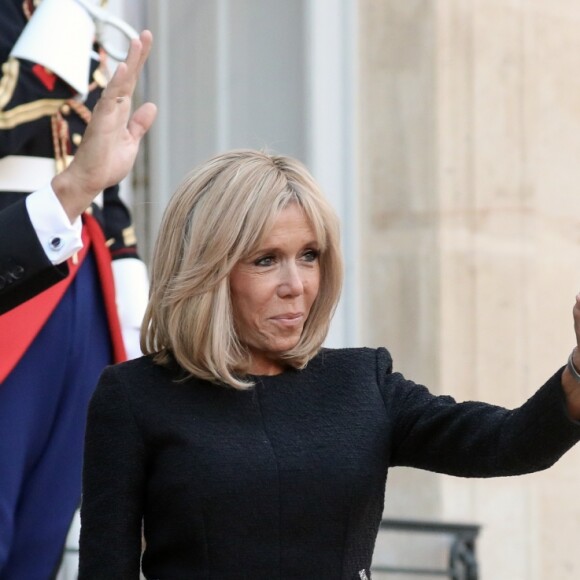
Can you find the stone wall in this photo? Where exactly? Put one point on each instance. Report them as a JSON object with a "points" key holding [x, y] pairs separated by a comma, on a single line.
{"points": [[469, 162]]}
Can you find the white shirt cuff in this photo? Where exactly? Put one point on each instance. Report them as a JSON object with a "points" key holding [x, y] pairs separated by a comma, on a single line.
{"points": [[58, 237]]}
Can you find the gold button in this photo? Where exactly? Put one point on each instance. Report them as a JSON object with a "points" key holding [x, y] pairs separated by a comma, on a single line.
{"points": [[77, 138], [65, 109], [100, 78]]}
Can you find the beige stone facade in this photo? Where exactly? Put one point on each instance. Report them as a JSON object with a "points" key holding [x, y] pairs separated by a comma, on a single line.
{"points": [[469, 160]]}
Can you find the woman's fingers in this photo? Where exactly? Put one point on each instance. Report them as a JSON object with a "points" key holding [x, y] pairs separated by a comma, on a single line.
{"points": [[576, 313]]}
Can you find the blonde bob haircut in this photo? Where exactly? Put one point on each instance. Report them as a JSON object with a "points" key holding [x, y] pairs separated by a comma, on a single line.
{"points": [[219, 215]]}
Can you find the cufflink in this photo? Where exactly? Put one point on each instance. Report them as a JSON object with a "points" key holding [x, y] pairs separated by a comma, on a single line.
{"points": [[55, 244]]}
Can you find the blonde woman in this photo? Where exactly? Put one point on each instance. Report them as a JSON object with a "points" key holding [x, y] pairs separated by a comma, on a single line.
{"points": [[238, 445]]}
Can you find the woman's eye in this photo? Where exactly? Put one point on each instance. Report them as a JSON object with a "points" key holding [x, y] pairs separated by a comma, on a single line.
{"points": [[264, 261], [311, 255]]}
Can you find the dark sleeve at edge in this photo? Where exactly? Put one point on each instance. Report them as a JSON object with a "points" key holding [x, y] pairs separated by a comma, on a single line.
{"points": [[25, 270]]}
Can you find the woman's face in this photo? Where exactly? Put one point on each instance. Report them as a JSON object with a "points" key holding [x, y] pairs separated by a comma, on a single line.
{"points": [[273, 290]]}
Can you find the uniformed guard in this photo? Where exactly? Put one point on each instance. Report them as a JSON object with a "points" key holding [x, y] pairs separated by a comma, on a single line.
{"points": [[54, 346]]}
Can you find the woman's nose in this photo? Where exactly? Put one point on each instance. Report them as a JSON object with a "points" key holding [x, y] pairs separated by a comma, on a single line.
{"points": [[291, 283]]}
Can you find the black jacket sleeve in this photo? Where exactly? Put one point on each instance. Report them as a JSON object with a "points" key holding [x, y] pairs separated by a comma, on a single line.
{"points": [[475, 439], [25, 269]]}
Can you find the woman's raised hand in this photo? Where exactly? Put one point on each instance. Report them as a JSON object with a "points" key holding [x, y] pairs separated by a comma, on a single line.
{"points": [[570, 382], [576, 352], [111, 141]]}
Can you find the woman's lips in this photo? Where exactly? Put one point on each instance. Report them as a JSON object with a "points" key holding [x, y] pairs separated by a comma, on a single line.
{"points": [[289, 319]]}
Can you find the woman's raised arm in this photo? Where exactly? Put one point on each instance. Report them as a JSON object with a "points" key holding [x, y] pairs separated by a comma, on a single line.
{"points": [[571, 376]]}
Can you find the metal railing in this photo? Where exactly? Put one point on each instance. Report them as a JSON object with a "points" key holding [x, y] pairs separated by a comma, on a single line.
{"points": [[461, 560]]}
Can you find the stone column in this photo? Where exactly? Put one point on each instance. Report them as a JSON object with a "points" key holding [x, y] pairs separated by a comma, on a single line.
{"points": [[469, 157]]}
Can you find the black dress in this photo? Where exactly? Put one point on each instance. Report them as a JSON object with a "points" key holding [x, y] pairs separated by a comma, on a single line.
{"points": [[285, 480]]}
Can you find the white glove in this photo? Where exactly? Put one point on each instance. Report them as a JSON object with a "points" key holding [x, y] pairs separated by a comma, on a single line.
{"points": [[132, 291]]}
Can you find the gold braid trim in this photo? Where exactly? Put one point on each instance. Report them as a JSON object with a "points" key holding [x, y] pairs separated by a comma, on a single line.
{"points": [[129, 236], [29, 112], [59, 141], [81, 110], [10, 73], [26, 112]]}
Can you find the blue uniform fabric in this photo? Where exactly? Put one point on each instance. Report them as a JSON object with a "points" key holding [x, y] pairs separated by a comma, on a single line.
{"points": [[42, 426]]}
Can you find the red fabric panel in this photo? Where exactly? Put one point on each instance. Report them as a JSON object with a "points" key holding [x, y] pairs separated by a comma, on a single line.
{"points": [[47, 78], [19, 326], [103, 259]]}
